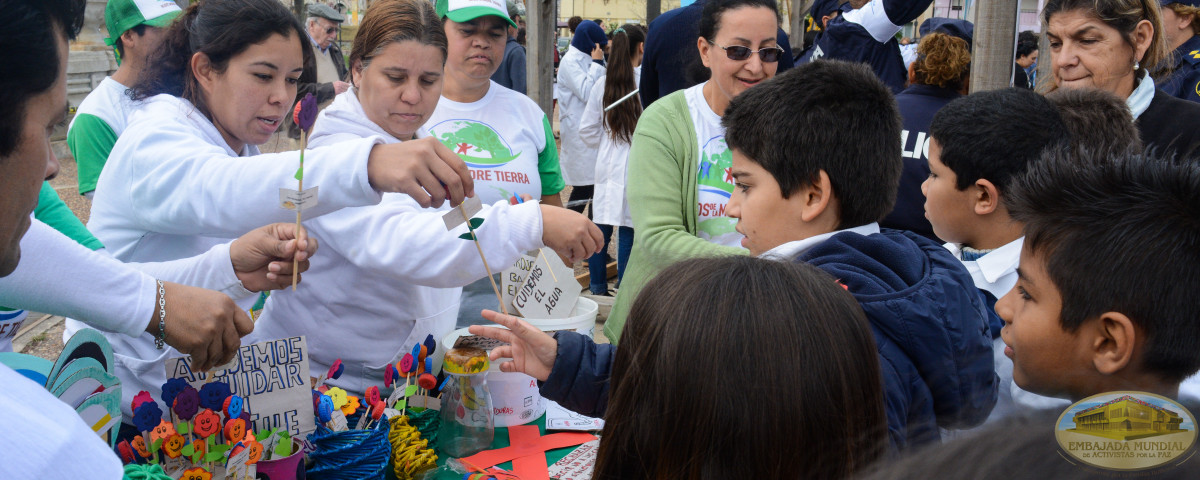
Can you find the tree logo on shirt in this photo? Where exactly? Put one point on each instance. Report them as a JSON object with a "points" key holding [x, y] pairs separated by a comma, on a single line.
{"points": [[1127, 431], [715, 177], [476, 143]]}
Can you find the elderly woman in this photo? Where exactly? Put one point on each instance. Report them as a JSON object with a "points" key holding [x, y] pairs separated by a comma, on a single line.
{"points": [[1112, 45]]}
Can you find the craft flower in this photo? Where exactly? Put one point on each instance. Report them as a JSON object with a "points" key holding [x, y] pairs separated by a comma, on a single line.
{"points": [[325, 409], [213, 395], [146, 416], [306, 112], [126, 451], [372, 395], [187, 403], [389, 373], [171, 389], [338, 396], [207, 423], [255, 447], [350, 406], [173, 446], [162, 431], [142, 397], [139, 446], [233, 406], [197, 473], [406, 363], [335, 370], [235, 430]]}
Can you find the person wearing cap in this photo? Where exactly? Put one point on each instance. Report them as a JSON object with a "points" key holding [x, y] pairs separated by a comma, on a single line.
{"points": [[512, 69], [323, 24], [937, 76], [135, 29], [671, 61], [1181, 27], [866, 33]]}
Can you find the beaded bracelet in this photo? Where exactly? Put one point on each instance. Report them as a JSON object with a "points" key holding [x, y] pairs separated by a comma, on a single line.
{"points": [[162, 316]]}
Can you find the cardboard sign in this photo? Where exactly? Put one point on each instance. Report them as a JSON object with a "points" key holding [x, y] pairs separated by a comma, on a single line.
{"points": [[296, 200], [455, 217], [512, 277], [549, 291], [271, 376], [578, 464]]}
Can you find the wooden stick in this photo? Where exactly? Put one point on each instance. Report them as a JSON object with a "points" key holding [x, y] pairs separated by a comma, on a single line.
{"points": [[543, 254], [295, 261], [475, 238]]}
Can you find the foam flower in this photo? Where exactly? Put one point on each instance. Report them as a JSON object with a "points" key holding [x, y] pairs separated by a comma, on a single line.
{"points": [[207, 423], [213, 395], [142, 397], [325, 409], [305, 113], [197, 473], [350, 406], [173, 446], [126, 451], [233, 406], [171, 389], [235, 430], [162, 431], [187, 403], [335, 370], [147, 416], [139, 445], [338, 396], [255, 447], [372, 395]]}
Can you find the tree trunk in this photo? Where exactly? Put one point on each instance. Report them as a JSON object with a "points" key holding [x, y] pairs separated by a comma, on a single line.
{"points": [[539, 59], [299, 10], [992, 60], [653, 9]]}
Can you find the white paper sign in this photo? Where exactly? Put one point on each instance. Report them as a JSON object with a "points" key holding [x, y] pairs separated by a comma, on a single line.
{"points": [[236, 467], [296, 200], [512, 277], [338, 422], [549, 291], [272, 378], [455, 217], [559, 418], [578, 464]]}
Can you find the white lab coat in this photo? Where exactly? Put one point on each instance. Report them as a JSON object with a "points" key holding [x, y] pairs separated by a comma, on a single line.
{"points": [[577, 73], [608, 201]]}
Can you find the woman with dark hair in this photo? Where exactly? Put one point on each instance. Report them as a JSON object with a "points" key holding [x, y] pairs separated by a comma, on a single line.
{"points": [[610, 132], [678, 181], [937, 76], [812, 409], [185, 177], [410, 283], [1112, 45]]}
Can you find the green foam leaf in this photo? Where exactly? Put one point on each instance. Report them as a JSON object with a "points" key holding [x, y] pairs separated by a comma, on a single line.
{"points": [[467, 236], [476, 223]]}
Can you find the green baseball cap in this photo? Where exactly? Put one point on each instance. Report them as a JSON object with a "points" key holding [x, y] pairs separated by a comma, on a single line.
{"points": [[466, 10], [122, 15]]}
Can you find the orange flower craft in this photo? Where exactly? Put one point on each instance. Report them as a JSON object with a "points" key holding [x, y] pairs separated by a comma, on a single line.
{"points": [[207, 423], [173, 445], [235, 430], [197, 473], [163, 431], [351, 405], [254, 446], [139, 446]]}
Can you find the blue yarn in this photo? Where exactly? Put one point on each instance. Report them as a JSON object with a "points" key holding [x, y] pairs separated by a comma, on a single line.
{"points": [[352, 454]]}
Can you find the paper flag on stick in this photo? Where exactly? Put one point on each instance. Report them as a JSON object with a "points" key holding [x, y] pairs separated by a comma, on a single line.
{"points": [[470, 207]]}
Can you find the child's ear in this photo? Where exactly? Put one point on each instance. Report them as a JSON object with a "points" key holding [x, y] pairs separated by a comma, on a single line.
{"points": [[817, 197], [987, 197], [1114, 342]]}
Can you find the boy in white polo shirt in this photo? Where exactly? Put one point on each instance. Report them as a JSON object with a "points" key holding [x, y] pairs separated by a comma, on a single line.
{"points": [[135, 29]]}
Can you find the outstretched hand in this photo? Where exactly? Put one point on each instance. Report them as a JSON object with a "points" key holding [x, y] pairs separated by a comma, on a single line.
{"points": [[262, 259], [532, 351]]}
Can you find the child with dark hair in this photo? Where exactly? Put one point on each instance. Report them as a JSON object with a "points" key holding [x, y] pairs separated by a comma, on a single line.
{"points": [[1097, 120], [809, 349], [1105, 298], [978, 144], [820, 205]]}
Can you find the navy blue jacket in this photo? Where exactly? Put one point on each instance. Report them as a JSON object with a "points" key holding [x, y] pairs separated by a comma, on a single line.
{"points": [[511, 73], [917, 104], [672, 62], [1168, 126], [852, 37], [930, 326], [935, 348], [1184, 82]]}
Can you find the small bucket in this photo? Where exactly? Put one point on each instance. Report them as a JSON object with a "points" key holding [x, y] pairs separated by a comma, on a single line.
{"points": [[290, 467]]}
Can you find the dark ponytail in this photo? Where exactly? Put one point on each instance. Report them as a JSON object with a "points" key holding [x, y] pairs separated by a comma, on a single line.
{"points": [[221, 29], [619, 82]]}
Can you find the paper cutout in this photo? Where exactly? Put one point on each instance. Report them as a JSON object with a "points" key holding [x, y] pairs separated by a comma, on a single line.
{"points": [[236, 467], [297, 200], [29, 366], [454, 217], [141, 397], [549, 291], [338, 423], [559, 418], [577, 465], [233, 406], [214, 394], [526, 442]]}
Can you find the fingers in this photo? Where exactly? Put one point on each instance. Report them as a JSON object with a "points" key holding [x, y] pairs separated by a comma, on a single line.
{"points": [[429, 182], [230, 341], [526, 197], [242, 323], [597, 238], [501, 352], [461, 176]]}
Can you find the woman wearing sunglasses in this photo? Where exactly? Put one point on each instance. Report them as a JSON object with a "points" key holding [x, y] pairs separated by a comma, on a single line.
{"points": [[678, 179]]}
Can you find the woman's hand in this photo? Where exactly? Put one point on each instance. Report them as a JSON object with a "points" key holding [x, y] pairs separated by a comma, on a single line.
{"points": [[424, 169], [202, 323], [531, 350], [570, 233], [597, 52], [262, 259]]}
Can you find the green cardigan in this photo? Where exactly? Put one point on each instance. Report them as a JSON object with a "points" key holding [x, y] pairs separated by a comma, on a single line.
{"points": [[660, 187]]}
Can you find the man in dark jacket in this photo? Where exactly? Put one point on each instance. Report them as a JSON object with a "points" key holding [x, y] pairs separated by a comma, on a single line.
{"points": [[671, 61], [867, 33], [511, 73], [328, 78]]}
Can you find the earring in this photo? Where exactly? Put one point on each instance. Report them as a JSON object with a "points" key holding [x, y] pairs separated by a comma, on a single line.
{"points": [[1136, 65]]}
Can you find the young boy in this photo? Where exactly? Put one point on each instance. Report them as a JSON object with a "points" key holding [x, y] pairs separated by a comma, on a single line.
{"points": [[821, 205], [1106, 293]]}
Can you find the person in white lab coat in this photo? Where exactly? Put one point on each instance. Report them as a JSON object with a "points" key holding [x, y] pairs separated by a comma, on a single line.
{"points": [[611, 132], [578, 73]]}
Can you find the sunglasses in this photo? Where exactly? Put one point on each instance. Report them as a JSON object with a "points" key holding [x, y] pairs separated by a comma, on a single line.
{"points": [[330, 30], [738, 52]]}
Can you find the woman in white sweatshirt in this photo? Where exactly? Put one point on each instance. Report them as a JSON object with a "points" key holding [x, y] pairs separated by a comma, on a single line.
{"points": [[186, 176], [611, 132], [390, 274]]}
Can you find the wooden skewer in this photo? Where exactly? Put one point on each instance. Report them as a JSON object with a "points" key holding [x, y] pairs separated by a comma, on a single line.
{"points": [[475, 239], [295, 261]]}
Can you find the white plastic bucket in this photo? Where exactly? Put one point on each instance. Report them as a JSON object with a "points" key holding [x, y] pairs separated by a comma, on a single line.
{"points": [[515, 397]]}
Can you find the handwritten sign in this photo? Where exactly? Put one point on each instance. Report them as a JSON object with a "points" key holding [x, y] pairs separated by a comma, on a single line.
{"points": [[513, 277], [559, 418], [549, 291], [271, 376], [297, 200], [455, 217], [578, 464]]}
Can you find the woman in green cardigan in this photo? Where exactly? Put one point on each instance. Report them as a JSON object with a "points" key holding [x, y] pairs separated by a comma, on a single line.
{"points": [[679, 179]]}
